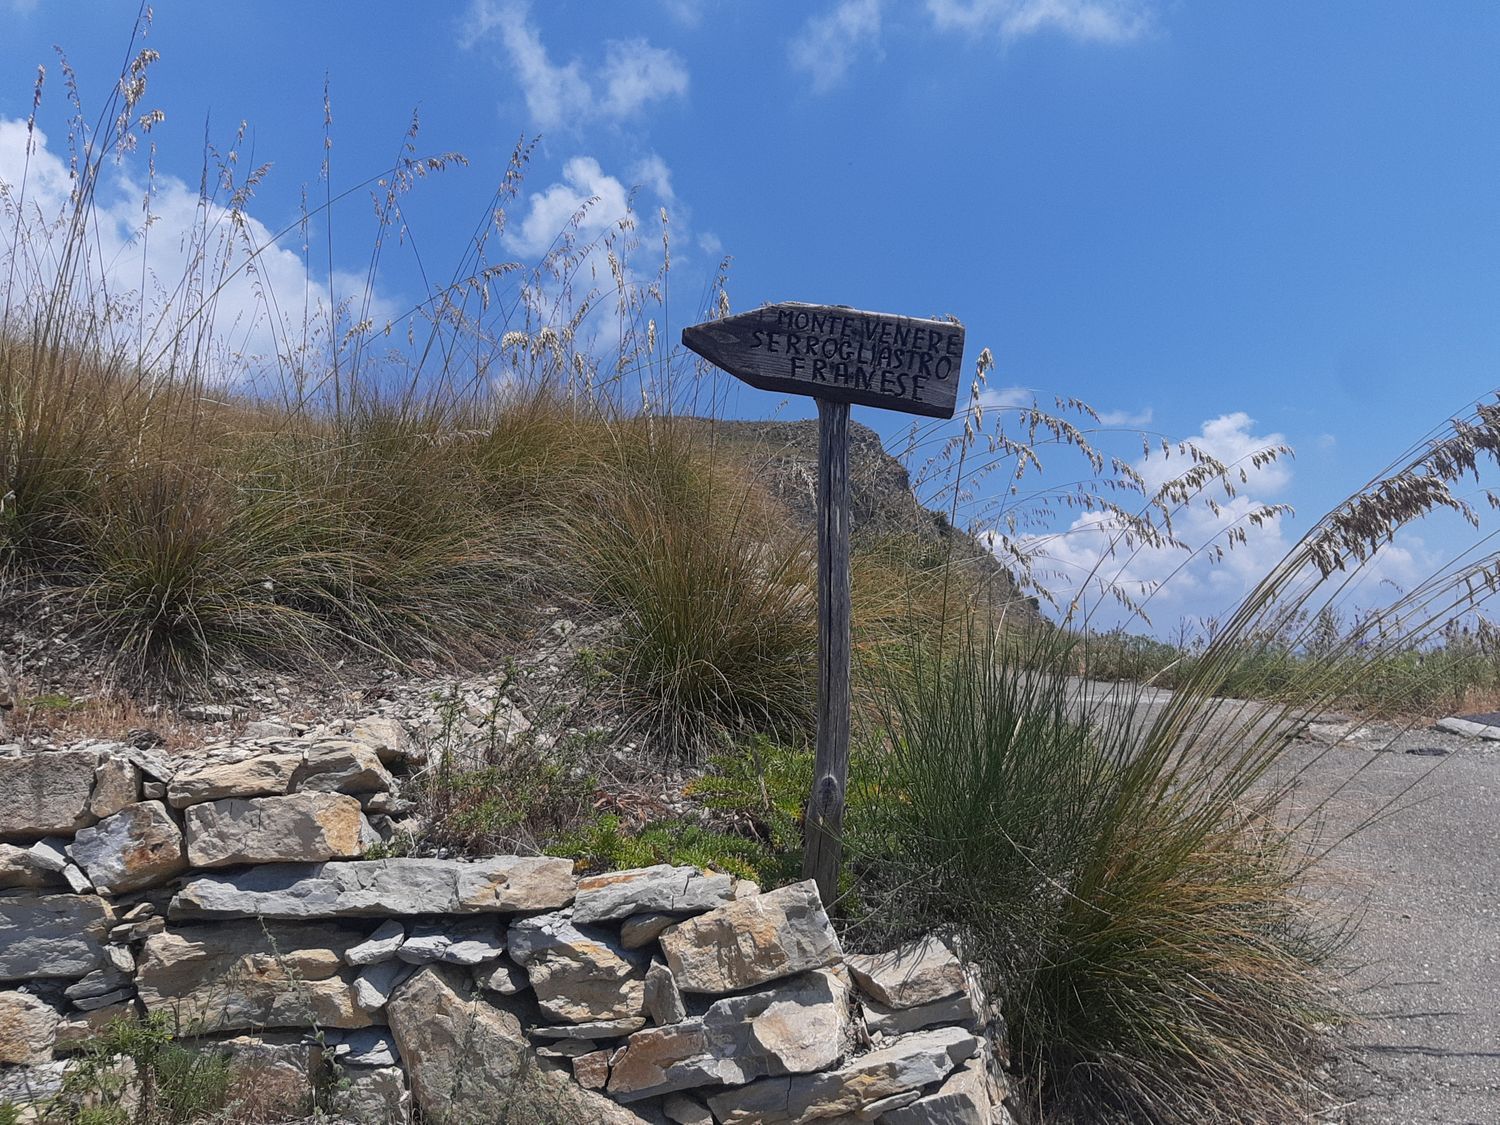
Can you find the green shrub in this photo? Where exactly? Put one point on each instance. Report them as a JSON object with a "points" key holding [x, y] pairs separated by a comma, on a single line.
{"points": [[1137, 911], [605, 845], [715, 601]]}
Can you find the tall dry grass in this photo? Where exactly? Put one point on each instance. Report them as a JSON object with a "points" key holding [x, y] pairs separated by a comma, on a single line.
{"points": [[1131, 876], [1139, 872]]}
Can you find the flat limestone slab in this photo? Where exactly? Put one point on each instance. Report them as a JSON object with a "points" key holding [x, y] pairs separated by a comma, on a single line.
{"points": [[1470, 728], [752, 941], [380, 888], [52, 935], [618, 894]]}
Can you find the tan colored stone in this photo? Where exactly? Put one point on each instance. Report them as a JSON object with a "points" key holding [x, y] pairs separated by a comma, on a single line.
{"points": [[341, 767], [963, 1099], [265, 775], [677, 890], [298, 828], [966, 1010], [663, 997], [578, 975], [916, 973], [246, 975], [48, 792], [640, 930], [117, 783], [909, 1063], [591, 1071], [19, 870], [468, 1059], [796, 1027], [372, 1096], [683, 1110], [28, 1028], [752, 941], [379, 888], [599, 1029], [384, 736], [136, 847]]}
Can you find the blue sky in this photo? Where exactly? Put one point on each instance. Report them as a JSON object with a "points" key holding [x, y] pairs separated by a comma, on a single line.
{"points": [[1237, 223]]}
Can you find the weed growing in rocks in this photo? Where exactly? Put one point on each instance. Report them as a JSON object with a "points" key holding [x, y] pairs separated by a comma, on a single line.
{"points": [[137, 1073]]}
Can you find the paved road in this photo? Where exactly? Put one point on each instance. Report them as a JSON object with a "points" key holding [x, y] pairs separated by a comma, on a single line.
{"points": [[1427, 878], [1428, 983]]}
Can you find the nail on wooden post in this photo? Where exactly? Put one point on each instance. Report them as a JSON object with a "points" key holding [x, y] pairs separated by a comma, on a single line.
{"points": [[823, 829]]}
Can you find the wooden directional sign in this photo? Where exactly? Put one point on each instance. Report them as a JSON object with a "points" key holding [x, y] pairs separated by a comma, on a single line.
{"points": [[839, 354]]}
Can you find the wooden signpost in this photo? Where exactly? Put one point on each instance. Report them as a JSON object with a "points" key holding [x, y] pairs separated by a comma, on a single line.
{"points": [[838, 356]]}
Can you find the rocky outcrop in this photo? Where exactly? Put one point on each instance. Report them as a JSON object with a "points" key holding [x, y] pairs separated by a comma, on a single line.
{"points": [[883, 508]]}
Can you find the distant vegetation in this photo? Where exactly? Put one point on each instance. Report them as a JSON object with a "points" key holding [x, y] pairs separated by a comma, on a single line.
{"points": [[1131, 881]]}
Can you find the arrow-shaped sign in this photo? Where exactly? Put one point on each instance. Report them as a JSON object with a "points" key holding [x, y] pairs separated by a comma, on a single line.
{"points": [[839, 354]]}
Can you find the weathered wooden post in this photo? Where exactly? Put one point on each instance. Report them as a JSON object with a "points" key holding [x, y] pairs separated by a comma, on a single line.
{"points": [[839, 356]]}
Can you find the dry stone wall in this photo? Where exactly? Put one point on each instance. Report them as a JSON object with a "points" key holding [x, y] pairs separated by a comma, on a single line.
{"points": [[231, 896]]}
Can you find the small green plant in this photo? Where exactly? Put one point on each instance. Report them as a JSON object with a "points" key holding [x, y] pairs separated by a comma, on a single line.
{"points": [[604, 845], [172, 1083], [42, 703], [518, 804], [760, 789]]}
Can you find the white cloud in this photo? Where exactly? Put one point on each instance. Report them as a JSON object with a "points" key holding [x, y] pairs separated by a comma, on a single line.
{"points": [[1007, 398], [19, 7], [652, 172], [1100, 21], [829, 44], [689, 13], [632, 75], [1092, 550], [256, 310], [1227, 438], [599, 202], [635, 74], [1127, 418], [549, 211]]}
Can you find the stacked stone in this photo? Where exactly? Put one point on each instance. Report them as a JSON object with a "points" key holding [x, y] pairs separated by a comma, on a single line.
{"points": [[234, 901], [94, 839]]}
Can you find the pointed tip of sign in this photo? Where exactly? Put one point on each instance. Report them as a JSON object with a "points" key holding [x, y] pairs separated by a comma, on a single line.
{"points": [[696, 339]]}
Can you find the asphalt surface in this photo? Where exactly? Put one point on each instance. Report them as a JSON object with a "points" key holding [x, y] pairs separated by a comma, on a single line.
{"points": [[1427, 950], [1422, 875]]}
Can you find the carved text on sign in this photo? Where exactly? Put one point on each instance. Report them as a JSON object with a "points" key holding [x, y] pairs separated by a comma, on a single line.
{"points": [[846, 355]]}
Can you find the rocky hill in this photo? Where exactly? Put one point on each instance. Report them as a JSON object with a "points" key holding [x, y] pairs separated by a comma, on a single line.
{"points": [[884, 509]]}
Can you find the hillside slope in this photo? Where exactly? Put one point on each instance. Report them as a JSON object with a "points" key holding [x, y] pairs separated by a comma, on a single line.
{"points": [[883, 506]]}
